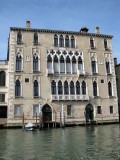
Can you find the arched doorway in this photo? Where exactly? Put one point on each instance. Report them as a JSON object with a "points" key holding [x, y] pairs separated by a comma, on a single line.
{"points": [[47, 113], [89, 114]]}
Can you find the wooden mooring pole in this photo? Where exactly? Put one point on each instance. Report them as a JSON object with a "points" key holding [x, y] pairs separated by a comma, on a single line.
{"points": [[23, 121], [36, 118], [60, 120]]}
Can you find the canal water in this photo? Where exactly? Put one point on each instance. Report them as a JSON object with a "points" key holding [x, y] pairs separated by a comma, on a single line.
{"points": [[72, 143]]}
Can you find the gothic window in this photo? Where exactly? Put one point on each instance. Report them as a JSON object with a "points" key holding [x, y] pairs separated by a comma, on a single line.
{"points": [[107, 67], [49, 62], [66, 89], [60, 89], [77, 87], [92, 45], [109, 89], [68, 65], [18, 62], [35, 38], [66, 41], [83, 88], [80, 64], [94, 88], [62, 65], [74, 68], [56, 66], [2, 78], [19, 37], [94, 70], [53, 87], [55, 40], [36, 88], [35, 63], [105, 44], [72, 88], [61, 41], [72, 42], [17, 88]]}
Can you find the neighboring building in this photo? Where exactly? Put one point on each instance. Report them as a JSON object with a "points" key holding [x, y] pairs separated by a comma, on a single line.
{"points": [[48, 68], [117, 71]]}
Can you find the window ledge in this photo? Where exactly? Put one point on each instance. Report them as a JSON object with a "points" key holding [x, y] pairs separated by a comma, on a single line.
{"points": [[70, 116], [19, 42], [18, 97], [36, 97], [36, 71]]}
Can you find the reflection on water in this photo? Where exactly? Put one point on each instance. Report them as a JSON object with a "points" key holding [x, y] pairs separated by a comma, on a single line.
{"points": [[77, 143]]}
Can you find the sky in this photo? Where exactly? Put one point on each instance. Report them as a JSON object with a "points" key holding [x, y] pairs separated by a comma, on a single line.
{"points": [[70, 15]]}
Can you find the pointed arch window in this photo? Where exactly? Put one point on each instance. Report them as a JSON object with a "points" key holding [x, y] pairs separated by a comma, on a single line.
{"points": [[68, 65], [77, 87], [92, 43], [49, 62], [60, 88], [55, 40], [36, 88], [17, 88], [35, 63], [80, 64], [94, 88], [56, 65], [66, 41], [61, 41], [19, 37], [2, 78], [83, 88], [72, 88], [35, 38], [107, 64], [105, 44], [74, 67], [72, 42], [94, 67], [53, 87], [62, 64], [109, 88], [66, 89], [18, 62]]}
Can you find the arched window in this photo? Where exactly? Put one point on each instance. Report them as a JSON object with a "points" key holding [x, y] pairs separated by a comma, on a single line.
{"points": [[36, 88], [35, 63], [53, 87], [66, 89], [77, 87], [61, 41], [93, 64], [72, 88], [109, 89], [17, 88], [2, 78], [55, 40], [18, 62], [56, 66], [62, 65], [68, 65], [60, 89], [105, 44], [83, 88], [19, 37], [66, 41], [80, 64], [94, 88], [74, 68], [72, 42], [49, 62], [107, 64], [92, 45], [35, 38]]}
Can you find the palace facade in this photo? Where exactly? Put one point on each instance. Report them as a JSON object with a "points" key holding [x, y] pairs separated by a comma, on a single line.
{"points": [[48, 69]]}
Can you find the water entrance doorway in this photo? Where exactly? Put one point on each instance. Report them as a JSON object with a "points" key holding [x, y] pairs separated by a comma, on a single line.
{"points": [[89, 113], [47, 113]]}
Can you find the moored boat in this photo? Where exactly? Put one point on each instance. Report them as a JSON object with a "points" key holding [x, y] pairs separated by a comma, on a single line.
{"points": [[30, 127]]}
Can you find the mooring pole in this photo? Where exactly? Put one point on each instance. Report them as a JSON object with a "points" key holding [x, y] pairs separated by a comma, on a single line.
{"points": [[36, 118], [23, 120], [60, 119]]}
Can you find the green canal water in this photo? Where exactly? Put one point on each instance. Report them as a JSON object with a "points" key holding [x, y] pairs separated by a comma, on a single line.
{"points": [[72, 143]]}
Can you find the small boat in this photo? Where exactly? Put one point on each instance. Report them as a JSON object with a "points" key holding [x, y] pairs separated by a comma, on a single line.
{"points": [[30, 127]]}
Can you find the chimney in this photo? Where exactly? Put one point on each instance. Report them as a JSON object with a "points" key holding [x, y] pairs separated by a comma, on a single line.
{"points": [[97, 31], [27, 24], [115, 61]]}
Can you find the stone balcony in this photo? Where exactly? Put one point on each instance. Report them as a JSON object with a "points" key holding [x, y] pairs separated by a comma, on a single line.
{"points": [[69, 97]]}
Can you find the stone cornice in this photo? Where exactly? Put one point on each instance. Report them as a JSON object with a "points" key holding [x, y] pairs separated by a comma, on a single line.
{"points": [[59, 32]]}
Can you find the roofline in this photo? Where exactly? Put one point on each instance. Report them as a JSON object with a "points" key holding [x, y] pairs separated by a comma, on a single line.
{"points": [[59, 32]]}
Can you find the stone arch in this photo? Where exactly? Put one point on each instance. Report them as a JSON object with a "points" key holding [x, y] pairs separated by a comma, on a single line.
{"points": [[89, 112], [47, 112]]}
